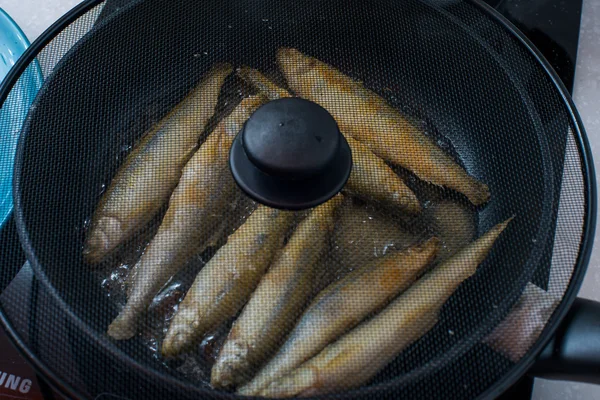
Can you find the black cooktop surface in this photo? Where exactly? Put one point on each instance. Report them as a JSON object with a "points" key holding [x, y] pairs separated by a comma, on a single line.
{"points": [[552, 26]]}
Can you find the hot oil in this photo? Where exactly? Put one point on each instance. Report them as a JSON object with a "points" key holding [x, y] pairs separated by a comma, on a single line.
{"points": [[363, 232], [453, 223], [115, 271]]}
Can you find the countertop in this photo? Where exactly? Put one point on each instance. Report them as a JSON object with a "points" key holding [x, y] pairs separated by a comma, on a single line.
{"points": [[34, 16]]}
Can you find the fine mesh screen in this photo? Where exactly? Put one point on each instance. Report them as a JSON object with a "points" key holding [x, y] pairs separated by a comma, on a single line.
{"points": [[364, 288]]}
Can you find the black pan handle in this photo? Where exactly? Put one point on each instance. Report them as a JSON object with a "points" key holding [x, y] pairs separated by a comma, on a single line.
{"points": [[573, 354]]}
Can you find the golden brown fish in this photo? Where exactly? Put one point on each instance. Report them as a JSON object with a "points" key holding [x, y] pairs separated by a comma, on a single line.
{"points": [[371, 177], [366, 117], [198, 206], [226, 282], [341, 306], [277, 301], [149, 174], [356, 357]]}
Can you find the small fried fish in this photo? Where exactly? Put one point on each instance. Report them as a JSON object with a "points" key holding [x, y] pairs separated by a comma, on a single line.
{"points": [[366, 117], [277, 301], [341, 306], [197, 209], [226, 282], [356, 357], [151, 171], [371, 177]]}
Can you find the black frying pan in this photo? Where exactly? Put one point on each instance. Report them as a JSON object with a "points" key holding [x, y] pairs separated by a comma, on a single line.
{"points": [[454, 65]]}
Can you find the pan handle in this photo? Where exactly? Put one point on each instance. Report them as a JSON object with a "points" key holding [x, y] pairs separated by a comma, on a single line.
{"points": [[13, 255], [573, 354]]}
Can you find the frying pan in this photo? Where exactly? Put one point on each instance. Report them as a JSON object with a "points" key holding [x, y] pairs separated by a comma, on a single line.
{"points": [[478, 84]]}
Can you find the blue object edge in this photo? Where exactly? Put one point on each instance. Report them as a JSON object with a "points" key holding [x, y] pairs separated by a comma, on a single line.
{"points": [[13, 44]]}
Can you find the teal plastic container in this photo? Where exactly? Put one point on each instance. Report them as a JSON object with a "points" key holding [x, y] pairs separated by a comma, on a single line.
{"points": [[13, 44]]}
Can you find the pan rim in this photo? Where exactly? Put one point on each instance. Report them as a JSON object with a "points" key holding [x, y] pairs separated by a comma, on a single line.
{"points": [[497, 387]]}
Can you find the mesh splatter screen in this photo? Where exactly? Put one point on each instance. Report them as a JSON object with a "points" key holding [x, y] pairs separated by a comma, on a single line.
{"points": [[433, 273]]}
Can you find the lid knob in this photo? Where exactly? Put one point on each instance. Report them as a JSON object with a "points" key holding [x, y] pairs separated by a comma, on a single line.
{"points": [[291, 155]]}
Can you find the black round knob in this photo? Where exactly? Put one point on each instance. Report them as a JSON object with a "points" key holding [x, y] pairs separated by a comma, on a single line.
{"points": [[291, 155], [291, 138]]}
